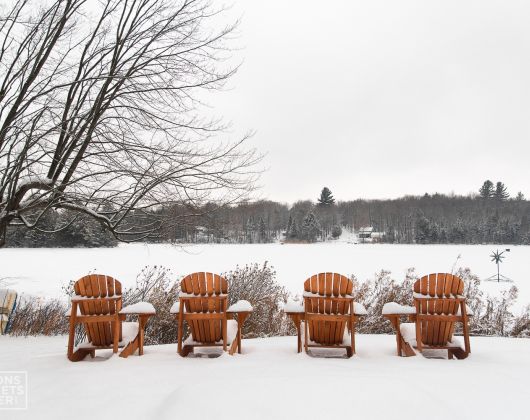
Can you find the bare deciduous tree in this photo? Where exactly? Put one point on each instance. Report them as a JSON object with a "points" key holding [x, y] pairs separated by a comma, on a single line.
{"points": [[99, 112]]}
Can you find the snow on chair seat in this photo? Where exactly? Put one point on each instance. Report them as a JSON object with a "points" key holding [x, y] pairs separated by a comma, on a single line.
{"points": [[129, 333], [231, 334], [408, 332], [203, 304], [97, 305]]}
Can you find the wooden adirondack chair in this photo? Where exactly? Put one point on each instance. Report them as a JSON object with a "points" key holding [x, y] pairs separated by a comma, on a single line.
{"points": [[328, 309], [439, 305], [203, 304], [97, 304]]}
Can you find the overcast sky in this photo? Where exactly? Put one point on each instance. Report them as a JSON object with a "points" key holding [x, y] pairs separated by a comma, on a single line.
{"points": [[383, 98]]}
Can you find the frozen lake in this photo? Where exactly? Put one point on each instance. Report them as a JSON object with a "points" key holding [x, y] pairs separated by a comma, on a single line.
{"points": [[44, 271]]}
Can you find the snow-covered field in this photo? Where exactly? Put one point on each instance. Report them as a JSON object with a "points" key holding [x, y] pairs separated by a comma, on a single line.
{"points": [[43, 271], [271, 381]]}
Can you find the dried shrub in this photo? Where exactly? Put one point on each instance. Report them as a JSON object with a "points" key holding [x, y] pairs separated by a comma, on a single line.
{"points": [[154, 284], [521, 324], [373, 294], [35, 316], [257, 284]]}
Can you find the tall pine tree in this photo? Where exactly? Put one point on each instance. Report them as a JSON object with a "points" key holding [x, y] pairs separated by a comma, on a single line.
{"points": [[501, 192], [487, 190], [293, 233], [262, 230], [326, 197], [310, 228]]}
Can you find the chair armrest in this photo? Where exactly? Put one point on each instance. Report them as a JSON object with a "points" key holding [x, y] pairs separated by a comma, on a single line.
{"points": [[240, 306], [140, 308]]}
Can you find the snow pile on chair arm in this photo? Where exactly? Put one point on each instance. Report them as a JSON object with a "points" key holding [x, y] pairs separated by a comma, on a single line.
{"points": [[240, 306], [393, 308], [175, 308], [359, 309], [139, 308], [293, 307]]}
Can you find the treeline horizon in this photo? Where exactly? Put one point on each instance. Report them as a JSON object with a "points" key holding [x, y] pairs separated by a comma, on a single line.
{"points": [[481, 218]]}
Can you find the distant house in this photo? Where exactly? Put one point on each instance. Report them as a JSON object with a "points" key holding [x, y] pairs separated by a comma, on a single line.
{"points": [[202, 235], [368, 234], [365, 232]]}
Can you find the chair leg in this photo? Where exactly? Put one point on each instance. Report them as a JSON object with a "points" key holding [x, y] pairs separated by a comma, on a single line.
{"points": [[225, 334], [299, 333], [306, 333], [465, 327], [180, 333], [141, 321], [116, 334], [71, 334], [238, 335], [418, 336], [352, 335]]}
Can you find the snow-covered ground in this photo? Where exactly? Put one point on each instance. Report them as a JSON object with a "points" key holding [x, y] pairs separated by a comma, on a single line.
{"points": [[271, 381], [43, 271]]}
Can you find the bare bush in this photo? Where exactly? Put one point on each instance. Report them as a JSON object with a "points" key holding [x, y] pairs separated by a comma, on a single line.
{"points": [[257, 284], [521, 324], [373, 294], [154, 284], [34, 316]]}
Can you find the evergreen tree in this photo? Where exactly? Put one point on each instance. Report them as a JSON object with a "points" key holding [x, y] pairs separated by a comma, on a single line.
{"points": [[326, 197], [336, 231], [249, 230], [501, 192], [293, 233], [520, 196], [310, 228], [289, 225], [262, 230], [487, 190], [423, 231]]}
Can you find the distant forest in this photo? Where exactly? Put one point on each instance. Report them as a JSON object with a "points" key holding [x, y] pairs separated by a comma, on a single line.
{"points": [[490, 216]]}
